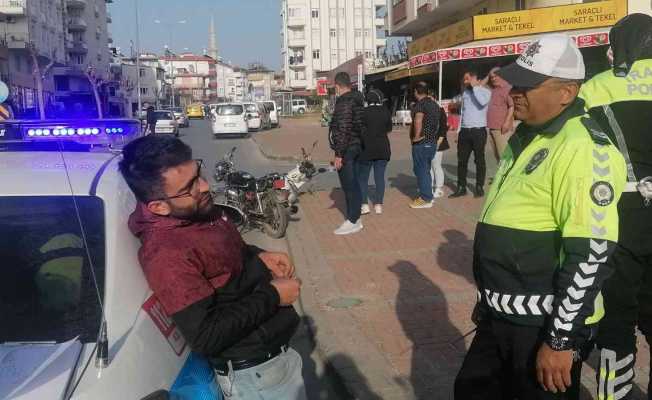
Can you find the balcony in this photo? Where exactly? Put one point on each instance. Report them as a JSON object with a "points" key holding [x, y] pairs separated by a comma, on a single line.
{"points": [[76, 4], [298, 83], [109, 38], [109, 19], [296, 21], [77, 47], [430, 13], [13, 7], [296, 62], [297, 42], [77, 24], [17, 40]]}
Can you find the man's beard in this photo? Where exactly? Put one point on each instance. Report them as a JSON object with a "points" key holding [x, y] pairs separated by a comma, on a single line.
{"points": [[201, 210]]}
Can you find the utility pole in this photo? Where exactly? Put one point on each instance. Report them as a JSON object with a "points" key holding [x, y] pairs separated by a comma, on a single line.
{"points": [[140, 106]]}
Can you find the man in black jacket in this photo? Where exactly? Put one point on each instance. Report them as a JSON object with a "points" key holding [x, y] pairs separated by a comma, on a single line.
{"points": [[232, 302], [345, 132]]}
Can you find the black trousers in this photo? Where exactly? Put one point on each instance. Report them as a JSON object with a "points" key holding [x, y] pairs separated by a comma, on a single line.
{"points": [[627, 302], [471, 140], [350, 184], [501, 365]]}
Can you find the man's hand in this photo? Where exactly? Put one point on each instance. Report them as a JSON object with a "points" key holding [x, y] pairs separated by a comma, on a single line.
{"points": [[506, 128], [278, 263], [554, 368], [338, 163], [288, 290]]}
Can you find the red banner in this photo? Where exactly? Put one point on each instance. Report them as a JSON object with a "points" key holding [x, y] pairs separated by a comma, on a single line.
{"points": [[164, 323]]}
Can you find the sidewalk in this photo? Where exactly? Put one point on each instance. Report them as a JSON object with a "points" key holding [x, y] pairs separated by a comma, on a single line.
{"points": [[390, 305]]}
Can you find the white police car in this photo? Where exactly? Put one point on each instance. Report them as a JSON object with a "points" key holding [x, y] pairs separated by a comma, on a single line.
{"points": [[78, 318]]}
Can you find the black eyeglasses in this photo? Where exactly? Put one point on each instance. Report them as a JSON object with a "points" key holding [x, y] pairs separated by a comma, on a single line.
{"points": [[192, 186]]}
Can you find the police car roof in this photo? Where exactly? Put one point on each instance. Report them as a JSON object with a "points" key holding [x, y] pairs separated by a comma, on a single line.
{"points": [[43, 173]]}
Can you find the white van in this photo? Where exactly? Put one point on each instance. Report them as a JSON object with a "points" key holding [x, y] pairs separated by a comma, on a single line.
{"points": [[299, 106], [230, 118]]}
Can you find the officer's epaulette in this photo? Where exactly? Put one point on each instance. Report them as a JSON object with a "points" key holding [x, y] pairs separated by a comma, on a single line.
{"points": [[595, 131]]}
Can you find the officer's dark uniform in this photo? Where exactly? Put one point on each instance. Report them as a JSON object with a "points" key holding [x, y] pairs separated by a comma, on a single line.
{"points": [[621, 101]]}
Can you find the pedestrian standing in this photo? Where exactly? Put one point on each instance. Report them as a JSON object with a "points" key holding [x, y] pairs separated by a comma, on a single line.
{"points": [[438, 176], [345, 139], [619, 99], [547, 230], [500, 114], [150, 116], [423, 136], [376, 150], [473, 133]]}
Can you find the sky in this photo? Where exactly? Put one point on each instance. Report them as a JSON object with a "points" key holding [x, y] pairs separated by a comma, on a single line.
{"points": [[247, 30]]}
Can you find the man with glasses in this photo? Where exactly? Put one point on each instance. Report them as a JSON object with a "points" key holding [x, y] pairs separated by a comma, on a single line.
{"points": [[548, 227], [231, 301]]}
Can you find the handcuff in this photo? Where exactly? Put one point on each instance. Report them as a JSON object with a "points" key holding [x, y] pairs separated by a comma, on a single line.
{"points": [[644, 187]]}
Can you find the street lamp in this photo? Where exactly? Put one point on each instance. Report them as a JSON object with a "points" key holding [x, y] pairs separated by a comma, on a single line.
{"points": [[171, 26]]}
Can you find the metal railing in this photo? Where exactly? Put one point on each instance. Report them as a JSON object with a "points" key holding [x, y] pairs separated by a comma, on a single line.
{"points": [[13, 3]]}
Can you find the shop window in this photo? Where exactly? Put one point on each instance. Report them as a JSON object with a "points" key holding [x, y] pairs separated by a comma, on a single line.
{"points": [[519, 5]]}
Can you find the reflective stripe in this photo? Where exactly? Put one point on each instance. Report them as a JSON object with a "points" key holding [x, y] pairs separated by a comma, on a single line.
{"points": [[620, 138], [631, 187], [519, 304], [615, 376]]}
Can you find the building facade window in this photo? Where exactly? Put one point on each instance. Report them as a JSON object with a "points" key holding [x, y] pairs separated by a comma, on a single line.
{"points": [[358, 32], [143, 90], [315, 13], [333, 33], [520, 5], [315, 54]]}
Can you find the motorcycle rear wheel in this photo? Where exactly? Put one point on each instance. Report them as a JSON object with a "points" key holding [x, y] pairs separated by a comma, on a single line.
{"points": [[277, 216]]}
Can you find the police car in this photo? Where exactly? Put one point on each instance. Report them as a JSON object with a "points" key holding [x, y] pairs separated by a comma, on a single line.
{"points": [[78, 318]]}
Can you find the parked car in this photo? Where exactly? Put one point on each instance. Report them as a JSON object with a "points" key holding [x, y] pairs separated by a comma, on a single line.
{"points": [[166, 122], [273, 113], [230, 118], [195, 110], [255, 116], [299, 106], [181, 117]]}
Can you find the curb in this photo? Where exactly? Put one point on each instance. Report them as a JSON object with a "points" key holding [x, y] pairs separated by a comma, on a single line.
{"points": [[337, 330], [270, 156]]}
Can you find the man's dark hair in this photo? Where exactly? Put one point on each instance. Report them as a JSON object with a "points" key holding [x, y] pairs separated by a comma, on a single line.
{"points": [[343, 79], [145, 160], [422, 88], [471, 72]]}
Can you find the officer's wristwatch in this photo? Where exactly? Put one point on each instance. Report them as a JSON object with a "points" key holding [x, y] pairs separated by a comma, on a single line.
{"points": [[560, 343]]}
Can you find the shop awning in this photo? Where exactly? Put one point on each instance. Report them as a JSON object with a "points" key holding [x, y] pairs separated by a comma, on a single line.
{"points": [[411, 72], [504, 47]]}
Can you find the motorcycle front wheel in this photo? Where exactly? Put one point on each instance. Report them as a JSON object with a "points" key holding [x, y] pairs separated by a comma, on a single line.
{"points": [[276, 218]]}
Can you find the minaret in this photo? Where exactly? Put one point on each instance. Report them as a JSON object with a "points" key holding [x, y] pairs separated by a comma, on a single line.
{"points": [[212, 40]]}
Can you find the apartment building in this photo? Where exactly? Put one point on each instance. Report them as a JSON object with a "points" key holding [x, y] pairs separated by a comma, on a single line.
{"points": [[40, 23], [450, 35], [88, 35], [319, 35], [191, 77]]}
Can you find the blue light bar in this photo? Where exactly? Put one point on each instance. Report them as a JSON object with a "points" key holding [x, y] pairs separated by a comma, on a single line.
{"points": [[99, 132]]}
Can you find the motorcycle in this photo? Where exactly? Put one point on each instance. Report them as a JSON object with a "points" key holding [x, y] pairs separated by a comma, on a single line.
{"points": [[255, 198], [297, 178]]}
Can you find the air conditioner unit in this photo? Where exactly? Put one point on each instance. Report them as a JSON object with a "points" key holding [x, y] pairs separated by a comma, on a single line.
{"points": [[11, 20]]}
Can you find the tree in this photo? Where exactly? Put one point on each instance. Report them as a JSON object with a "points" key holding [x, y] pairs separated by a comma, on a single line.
{"points": [[128, 87], [39, 76], [96, 82]]}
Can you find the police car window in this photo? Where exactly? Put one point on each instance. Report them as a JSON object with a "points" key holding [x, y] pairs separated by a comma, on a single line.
{"points": [[162, 115], [46, 286]]}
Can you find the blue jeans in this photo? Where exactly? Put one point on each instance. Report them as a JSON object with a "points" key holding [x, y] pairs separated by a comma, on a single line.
{"points": [[364, 170], [422, 155], [278, 378], [349, 182]]}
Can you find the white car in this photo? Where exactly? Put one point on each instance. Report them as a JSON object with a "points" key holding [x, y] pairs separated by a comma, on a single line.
{"points": [[181, 117], [230, 118], [79, 321], [273, 113], [299, 106], [166, 122]]}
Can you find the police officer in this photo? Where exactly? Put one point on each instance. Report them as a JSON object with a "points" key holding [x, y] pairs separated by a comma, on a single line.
{"points": [[548, 226], [621, 101]]}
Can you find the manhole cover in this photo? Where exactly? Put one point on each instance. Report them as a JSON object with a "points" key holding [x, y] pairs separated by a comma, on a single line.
{"points": [[344, 302]]}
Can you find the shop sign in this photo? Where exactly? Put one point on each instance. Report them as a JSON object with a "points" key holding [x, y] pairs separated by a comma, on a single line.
{"points": [[457, 33], [550, 19]]}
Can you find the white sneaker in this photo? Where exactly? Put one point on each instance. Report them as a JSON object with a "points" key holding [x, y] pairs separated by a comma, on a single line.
{"points": [[378, 208], [438, 193], [348, 228], [364, 210]]}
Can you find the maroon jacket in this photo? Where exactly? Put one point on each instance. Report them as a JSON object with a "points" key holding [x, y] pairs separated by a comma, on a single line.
{"points": [[213, 285]]}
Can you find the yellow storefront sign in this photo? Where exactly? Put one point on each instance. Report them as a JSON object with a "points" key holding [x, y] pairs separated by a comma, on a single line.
{"points": [[457, 33], [551, 19]]}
